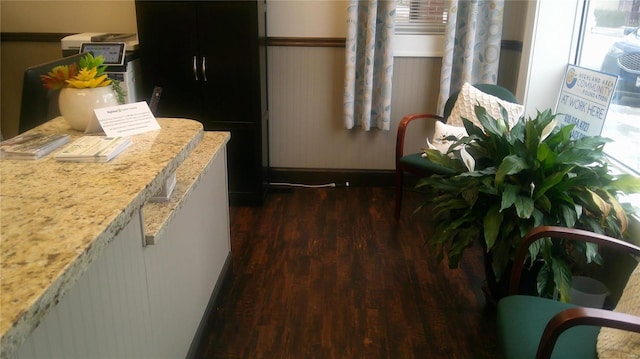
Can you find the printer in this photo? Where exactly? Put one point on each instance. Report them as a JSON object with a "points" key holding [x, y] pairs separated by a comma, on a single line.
{"points": [[120, 51]]}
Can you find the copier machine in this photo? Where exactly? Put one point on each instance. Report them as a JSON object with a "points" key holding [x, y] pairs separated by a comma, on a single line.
{"points": [[121, 57]]}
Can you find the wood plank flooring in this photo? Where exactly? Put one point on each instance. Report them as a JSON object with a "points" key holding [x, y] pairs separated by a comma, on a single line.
{"points": [[329, 273]]}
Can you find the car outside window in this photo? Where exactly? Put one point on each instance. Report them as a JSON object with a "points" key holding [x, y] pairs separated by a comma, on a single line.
{"points": [[611, 43]]}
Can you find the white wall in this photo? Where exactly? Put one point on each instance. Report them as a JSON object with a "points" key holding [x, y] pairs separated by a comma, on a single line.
{"points": [[311, 18], [514, 15], [285, 18], [67, 16], [548, 46]]}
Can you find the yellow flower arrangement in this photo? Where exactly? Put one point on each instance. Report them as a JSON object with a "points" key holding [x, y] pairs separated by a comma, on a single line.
{"points": [[91, 74], [88, 78]]}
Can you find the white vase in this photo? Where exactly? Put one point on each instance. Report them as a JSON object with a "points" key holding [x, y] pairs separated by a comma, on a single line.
{"points": [[77, 105]]}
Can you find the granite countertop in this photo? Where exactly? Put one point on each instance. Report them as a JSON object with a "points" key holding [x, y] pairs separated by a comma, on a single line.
{"points": [[56, 217], [158, 215]]}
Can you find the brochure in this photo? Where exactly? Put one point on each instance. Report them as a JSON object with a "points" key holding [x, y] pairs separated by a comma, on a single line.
{"points": [[31, 146], [93, 149]]}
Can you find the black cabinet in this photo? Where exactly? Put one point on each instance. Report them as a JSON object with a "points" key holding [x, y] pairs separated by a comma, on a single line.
{"points": [[209, 58]]}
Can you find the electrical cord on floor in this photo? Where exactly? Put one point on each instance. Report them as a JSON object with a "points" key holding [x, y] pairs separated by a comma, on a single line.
{"points": [[333, 184]]}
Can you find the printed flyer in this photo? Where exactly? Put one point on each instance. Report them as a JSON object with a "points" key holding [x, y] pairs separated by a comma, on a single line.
{"points": [[584, 100]]}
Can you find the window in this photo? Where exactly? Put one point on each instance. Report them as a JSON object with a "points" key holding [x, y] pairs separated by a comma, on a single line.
{"points": [[544, 61], [610, 42], [415, 17]]}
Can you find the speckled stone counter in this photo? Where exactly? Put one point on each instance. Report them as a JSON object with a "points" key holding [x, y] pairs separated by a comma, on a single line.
{"points": [[158, 215], [56, 217]]}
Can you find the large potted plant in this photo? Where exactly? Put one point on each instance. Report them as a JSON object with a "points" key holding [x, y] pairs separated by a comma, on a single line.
{"points": [[510, 180]]}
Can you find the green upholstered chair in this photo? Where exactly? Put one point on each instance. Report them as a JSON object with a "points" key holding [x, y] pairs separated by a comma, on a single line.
{"points": [[414, 163], [535, 327]]}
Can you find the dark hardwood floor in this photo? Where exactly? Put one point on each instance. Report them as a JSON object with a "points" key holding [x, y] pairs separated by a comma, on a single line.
{"points": [[329, 273]]}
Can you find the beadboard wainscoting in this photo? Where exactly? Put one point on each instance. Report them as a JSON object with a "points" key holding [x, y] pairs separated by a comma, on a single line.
{"points": [[306, 122], [82, 322]]}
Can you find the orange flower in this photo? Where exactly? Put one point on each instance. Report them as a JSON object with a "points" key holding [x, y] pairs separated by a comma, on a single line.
{"points": [[57, 77]]}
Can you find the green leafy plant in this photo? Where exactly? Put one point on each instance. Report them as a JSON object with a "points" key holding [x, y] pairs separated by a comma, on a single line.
{"points": [[512, 180], [89, 72]]}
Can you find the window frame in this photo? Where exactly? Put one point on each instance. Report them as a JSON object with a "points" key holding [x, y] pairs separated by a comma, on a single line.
{"points": [[425, 40], [411, 23]]}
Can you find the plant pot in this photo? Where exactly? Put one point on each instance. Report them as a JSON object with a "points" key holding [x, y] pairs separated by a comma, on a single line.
{"points": [[588, 292], [77, 105]]}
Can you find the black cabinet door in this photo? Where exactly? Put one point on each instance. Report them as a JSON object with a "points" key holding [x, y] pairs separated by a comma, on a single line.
{"points": [[228, 38], [168, 37], [209, 57], [231, 48], [244, 167]]}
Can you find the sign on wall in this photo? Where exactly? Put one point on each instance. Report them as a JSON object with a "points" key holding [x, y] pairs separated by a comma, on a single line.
{"points": [[584, 100]]}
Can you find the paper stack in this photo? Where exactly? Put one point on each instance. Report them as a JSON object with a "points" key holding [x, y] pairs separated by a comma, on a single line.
{"points": [[31, 146], [93, 149]]}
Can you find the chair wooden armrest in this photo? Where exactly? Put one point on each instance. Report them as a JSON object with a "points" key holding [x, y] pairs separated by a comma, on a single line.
{"points": [[561, 233], [569, 318], [572, 317], [402, 129]]}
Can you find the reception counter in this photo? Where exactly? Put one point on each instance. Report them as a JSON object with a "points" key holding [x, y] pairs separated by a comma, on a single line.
{"points": [[85, 258]]}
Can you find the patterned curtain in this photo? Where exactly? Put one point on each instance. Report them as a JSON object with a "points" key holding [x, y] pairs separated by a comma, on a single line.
{"points": [[472, 45], [369, 64]]}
